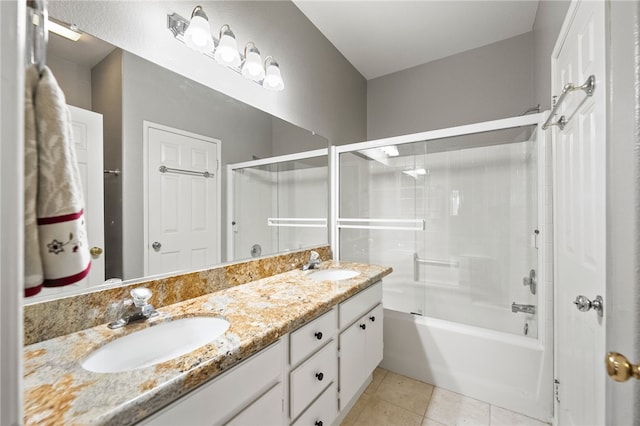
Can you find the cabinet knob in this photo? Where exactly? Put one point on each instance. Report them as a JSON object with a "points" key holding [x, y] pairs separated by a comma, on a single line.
{"points": [[372, 318], [318, 335], [363, 326], [318, 423], [319, 376]]}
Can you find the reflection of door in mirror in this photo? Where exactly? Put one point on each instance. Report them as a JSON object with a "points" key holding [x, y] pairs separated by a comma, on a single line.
{"points": [[87, 138], [183, 214]]}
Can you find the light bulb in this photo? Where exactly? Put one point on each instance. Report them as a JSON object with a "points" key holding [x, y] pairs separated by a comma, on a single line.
{"points": [[273, 77], [252, 67], [198, 35], [227, 51]]}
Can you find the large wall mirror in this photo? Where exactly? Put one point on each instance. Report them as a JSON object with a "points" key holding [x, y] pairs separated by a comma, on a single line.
{"points": [[189, 177]]}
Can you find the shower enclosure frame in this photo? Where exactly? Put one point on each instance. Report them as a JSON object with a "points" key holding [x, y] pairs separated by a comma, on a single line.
{"points": [[536, 403], [322, 152]]}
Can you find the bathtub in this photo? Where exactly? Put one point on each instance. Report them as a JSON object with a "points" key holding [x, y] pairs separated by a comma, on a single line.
{"points": [[476, 362]]}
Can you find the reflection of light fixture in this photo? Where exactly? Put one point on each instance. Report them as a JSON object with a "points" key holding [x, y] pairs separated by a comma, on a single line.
{"points": [[198, 34], [391, 150], [273, 78], [227, 50], [64, 31], [415, 173], [252, 66]]}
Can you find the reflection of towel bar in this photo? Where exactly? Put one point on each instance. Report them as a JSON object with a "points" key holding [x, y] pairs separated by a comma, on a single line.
{"points": [[294, 222], [396, 224], [431, 262], [205, 174], [588, 88]]}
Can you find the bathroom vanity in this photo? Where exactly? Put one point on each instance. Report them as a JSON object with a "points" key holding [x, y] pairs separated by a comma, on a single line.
{"points": [[298, 351]]}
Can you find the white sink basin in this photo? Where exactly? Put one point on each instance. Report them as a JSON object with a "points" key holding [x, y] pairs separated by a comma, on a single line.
{"points": [[334, 274], [155, 344]]}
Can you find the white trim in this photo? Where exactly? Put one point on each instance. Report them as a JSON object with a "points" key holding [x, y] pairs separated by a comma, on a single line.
{"points": [[505, 123], [280, 159], [334, 199], [146, 125], [12, 46], [229, 224]]}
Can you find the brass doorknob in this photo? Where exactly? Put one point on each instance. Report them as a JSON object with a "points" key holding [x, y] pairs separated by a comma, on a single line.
{"points": [[95, 252], [620, 369]]}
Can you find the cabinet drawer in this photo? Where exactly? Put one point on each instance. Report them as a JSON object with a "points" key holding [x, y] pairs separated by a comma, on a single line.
{"points": [[323, 411], [357, 305], [312, 377], [266, 411], [217, 401], [307, 339]]}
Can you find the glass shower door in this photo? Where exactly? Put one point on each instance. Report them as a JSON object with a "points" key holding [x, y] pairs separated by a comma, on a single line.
{"points": [[455, 217]]}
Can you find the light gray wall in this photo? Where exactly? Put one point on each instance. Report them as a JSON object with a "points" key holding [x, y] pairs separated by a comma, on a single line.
{"points": [[323, 91], [106, 92], [546, 28], [487, 83], [154, 94], [74, 79], [288, 139]]}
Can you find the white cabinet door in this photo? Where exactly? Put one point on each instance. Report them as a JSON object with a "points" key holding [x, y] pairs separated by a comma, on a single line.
{"points": [[352, 370], [266, 411], [361, 351], [374, 342]]}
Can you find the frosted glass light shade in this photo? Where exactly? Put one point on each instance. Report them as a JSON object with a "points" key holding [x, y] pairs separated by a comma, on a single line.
{"points": [[252, 67], [273, 78], [227, 51], [198, 35]]}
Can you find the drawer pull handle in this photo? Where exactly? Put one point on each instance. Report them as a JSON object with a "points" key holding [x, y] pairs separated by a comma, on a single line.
{"points": [[372, 318], [320, 376], [318, 423], [318, 335], [363, 326]]}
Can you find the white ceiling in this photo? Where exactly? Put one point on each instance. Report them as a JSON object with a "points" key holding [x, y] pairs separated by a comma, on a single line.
{"points": [[382, 37]]}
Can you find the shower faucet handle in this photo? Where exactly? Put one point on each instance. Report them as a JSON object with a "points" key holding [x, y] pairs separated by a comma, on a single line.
{"points": [[531, 281]]}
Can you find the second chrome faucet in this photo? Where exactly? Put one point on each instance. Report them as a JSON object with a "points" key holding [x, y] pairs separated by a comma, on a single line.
{"points": [[135, 309]]}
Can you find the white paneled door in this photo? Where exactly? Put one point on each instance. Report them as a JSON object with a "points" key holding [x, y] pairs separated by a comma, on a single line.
{"points": [[183, 209], [579, 216]]}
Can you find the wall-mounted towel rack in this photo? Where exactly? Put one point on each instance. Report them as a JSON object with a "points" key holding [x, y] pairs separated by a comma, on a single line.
{"points": [[588, 88], [205, 174], [37, 23], [385, 224], [417, 261]]}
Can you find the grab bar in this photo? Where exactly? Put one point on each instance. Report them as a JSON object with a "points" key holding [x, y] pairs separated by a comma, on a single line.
{"points": [[205, 174], [432, 262], [588, 88]]}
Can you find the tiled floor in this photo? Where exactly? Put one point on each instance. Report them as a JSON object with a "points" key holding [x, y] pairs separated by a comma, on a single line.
{"points": [[395, 400]]}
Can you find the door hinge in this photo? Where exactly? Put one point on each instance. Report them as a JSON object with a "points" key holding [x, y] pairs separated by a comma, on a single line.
{"points": [[556, 389], [217, 165]]}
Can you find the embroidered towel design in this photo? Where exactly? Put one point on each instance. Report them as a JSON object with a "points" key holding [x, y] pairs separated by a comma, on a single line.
{"points": [[62, 235], [32, 262]]}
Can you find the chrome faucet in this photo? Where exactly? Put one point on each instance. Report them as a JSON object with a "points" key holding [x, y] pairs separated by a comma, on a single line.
{"points": [[135, 309], [527, 309], [314, 261]]}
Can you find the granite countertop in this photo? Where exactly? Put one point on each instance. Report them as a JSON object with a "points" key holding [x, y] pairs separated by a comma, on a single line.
{"points": [[59, 391]]}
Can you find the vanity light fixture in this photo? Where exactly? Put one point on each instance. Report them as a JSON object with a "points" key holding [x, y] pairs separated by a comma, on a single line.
{"points": [[62, 30], [196, 34]]}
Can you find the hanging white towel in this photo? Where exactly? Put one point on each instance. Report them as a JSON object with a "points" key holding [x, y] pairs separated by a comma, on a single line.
{"points": [[62, 234], [32, 262]]}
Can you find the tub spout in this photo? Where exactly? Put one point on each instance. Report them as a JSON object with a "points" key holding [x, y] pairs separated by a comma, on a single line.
{"points": [[527, 309]]}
